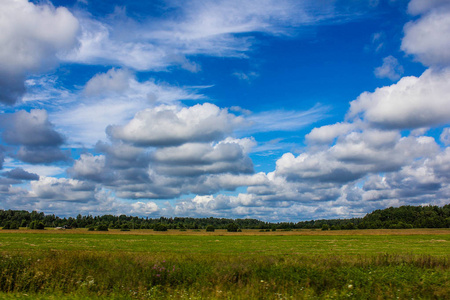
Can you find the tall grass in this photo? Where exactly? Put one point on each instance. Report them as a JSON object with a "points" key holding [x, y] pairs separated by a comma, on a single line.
{"points": [[116, 275]]}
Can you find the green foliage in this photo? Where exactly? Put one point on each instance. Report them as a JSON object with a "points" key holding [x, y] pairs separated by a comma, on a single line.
{"points": [[160, 227], [102, 227], [37, 225], [7, 225], [325, 227], [391, 218], [125, 227], [232, 227], [210, 228]]}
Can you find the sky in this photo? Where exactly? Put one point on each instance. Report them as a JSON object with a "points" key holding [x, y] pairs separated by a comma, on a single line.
{"points": [[285, 110]]}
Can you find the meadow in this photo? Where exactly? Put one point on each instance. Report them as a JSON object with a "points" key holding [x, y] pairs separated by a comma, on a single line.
{"points": [[304, 264]]}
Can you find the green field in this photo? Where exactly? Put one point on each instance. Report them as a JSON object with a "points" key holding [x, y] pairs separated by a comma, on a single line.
{"points": [[380, 264]]}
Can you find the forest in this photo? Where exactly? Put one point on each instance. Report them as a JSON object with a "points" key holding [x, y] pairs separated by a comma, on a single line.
{"points": [[390, 218]]}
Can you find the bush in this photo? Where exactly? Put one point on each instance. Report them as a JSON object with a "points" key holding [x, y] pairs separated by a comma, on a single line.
{"points": [[325, 227], [125, 227], [210, 228], [102, 227], [7, 225], [232, 227], [160, 227], [91, 228], [37, 225]]}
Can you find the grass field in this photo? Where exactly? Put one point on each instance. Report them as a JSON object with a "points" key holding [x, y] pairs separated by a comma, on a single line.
{"points": [[306, 264]]}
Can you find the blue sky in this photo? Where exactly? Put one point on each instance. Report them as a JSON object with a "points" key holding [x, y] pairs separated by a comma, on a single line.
{"points": [[277, 110]]}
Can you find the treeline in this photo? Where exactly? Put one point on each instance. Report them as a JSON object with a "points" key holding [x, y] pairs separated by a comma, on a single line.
{"points": [[390, 218]]}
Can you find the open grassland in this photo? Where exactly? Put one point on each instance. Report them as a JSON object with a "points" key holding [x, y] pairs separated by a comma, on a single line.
{"points": [[366, 264]]}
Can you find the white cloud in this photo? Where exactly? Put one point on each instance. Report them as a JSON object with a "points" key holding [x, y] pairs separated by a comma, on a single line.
{"points": [[417, 7], [327, 133], [281, 120], [112, 97], [428, 38], [171, 125], [62, 189], [411, 103], [144, 208], [246, 76], [214, 28], [113, 81], [89, 166], [355, 155], [31, 37], [390, 69], [193, 159], [445, 136]]}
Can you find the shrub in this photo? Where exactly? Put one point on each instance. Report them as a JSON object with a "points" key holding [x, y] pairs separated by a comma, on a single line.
{"points": [[232, 227], [7, 225], [37, 225], [102, 227], [91, 228], [125, 227], [325, 227], [160, 227], [210, 228]]}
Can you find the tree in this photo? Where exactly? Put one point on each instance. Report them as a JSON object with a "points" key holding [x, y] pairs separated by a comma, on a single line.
{"points": [[40, 225], [160, 227], [325, 227], [232, 227], [7, 225], [102, 227], [210, 228]]}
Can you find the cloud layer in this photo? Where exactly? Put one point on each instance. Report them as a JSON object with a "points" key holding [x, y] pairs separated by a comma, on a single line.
{"points": [[120, 139]]}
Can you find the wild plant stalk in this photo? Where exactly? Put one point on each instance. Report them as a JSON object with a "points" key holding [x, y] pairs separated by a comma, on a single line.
{"points": [[115, 275]]}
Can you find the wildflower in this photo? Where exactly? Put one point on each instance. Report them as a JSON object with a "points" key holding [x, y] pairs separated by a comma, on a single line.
{"points": [[350, 286]]}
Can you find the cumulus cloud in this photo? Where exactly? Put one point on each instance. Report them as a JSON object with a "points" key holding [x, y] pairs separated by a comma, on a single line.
{"points": [[445, 136], [89, 167], [428, 38], [20, 174], [38, 140], [31, 37], [355, 155], [42, 155], [327, 133], [144, 208], [30, 129], [170, 125], [113, 81], [115, 95], [413, 102], [62, 189], [390, 69], [194, 159], [167, 172]]}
